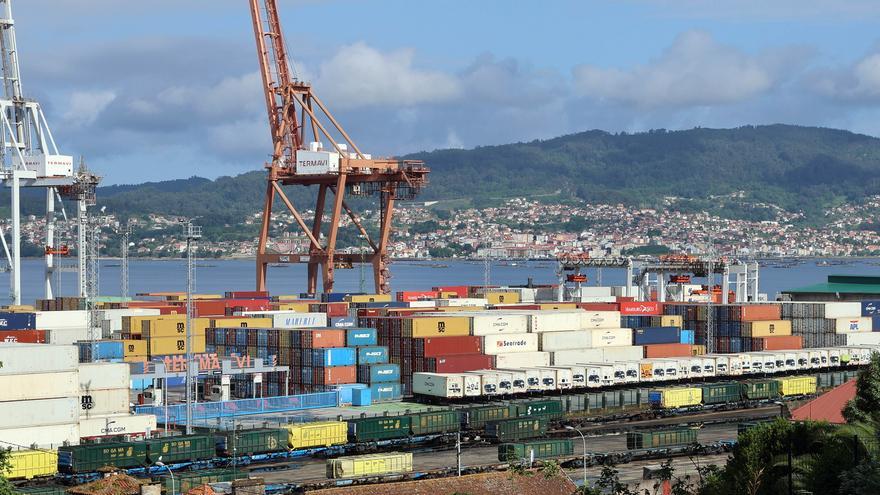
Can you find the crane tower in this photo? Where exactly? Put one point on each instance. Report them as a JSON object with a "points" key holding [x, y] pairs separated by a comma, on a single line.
{"points": [[310, 148]]}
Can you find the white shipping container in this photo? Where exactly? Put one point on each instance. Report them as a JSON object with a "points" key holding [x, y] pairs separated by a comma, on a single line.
{"points": [[563, 377], [505, 382], [519, 380], [522, 360], [574, 356], [555, 321], [438, 385], [590, 291], [37, 358], [506, 344], [299, 320], [124, 424], [44, 437], [611, 337], [853, 325], [599, 374], [488, 382], [99, 376], [843, 309], [422, 304], [104, 402], [600, 319], [578, 375], [42, 412], [872, 338], [38, 386], [491, 324], [546, 378], [68, 336], [631, 369], [560, 341], [51, 320], [472, 385], [463, 301]]}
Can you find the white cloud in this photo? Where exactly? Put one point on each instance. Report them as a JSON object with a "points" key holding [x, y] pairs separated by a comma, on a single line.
{"points": [[84, 107], [859, 82], [359, 75], [695, 70]]}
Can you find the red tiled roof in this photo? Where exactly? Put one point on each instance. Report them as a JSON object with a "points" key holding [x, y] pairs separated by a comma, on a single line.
{"points": [[201, 490], [828, 406], [496, 483], [115, 484]]}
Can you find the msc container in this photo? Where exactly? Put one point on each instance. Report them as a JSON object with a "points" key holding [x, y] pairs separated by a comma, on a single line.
{"points": [[505, 344], [522, 360], [537, 449], [369, 465], [431, 422], [21, 359], [103, 402], [28, 464], [670, 398], [656, 335], [475, 418], [516, 429], [88, 458], [435, 326], [37, 386], [357, 337], [381, 428], [797, 385], [378, 373], [493, 323], [182, 448], [316, 434], [372, 355], [660, 439], [760, 389], [548, 409], [721, 393], [249, 442], [450, 386]]}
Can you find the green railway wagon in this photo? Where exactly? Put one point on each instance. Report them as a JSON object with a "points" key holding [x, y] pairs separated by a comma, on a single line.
{"points": [[475, 418], [427, 423], [42, 490], [182, 448], [186, 481], [380, 428], [720, 393], [516, 429], [547, 409], [250, 442], [89, 457], [538, 449], [659, 439], [760, 389]]}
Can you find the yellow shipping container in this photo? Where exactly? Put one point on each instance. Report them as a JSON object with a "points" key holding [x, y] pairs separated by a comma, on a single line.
{"points": [[167, 346], [368, 298], [134, 350], [800, 385], [680, 397], [207, 296], [698, 350], [667, 321], [369, 465], [240, 323], [768, 328], [548, 306], [29, 464], [318, 434], [296, 307], [437, 326], [448, 295], [502, 297]]}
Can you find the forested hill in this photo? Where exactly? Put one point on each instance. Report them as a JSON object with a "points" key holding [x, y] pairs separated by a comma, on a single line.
{"points": [[790, 166]]}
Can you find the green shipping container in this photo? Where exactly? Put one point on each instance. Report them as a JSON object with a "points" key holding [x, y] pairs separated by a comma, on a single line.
{"points": [[516, 429], [761, 389], [720, 393], [249, 442], [475, 418], [381, 428], [89, 457], [186, 481], [636, 440], [427, 423], [541, 449], [547, 409], [182, 448]]}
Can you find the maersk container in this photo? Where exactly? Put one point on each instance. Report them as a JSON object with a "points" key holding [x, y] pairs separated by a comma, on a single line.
{"points": [[510, 343], [88, 458], [537, 449], [37, 358], [516, 429], [522, 360], [434, 422], [488, 382], [372, 355], [378, 373], [656, 335], [250, 442], [334, 356], [385, 392], [380, 428], [359, 337], [449, 386]]}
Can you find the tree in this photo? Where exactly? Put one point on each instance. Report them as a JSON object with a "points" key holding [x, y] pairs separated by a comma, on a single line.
{"points": [[6, 487], [865, 407]]}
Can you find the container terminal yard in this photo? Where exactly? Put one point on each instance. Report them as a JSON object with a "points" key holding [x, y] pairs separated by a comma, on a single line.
{"points": [[326, 389]]}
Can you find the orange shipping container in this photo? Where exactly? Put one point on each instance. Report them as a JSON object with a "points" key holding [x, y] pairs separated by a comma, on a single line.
{"points": [[325, 338], [758, 312], [783, 342], [668, 350], [340, 374]]}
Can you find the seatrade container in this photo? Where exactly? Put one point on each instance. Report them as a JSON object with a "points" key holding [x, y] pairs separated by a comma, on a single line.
{"points": [[640, 308], [505, 344], [357, 337], [372, 355], [369, 465], [317, 434], [28, 464], [853, 325], [450, 386], [797, 385], [379, 373], [17, 321], [656, 335], [24, 337], [522, 360], [447, 346]]}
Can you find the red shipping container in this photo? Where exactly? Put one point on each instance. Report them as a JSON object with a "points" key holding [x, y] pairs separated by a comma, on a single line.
{"points": [[368, 313], [322, 339], [529, 307], [668, 350], [213, 307], [408, 296], [460, 364], [782, 342], [761, 312], [598, 306], [23, 336], [641, 308], [337, 309], [334, 375], [460, 290], [449, 346], [625, 299], [247, 294]]}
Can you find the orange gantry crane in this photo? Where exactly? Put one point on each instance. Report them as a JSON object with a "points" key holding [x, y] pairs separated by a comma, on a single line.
{"points": [[312, 149]]}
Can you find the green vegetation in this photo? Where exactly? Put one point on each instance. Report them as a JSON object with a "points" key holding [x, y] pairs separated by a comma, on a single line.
{"points": [[6, 487]]}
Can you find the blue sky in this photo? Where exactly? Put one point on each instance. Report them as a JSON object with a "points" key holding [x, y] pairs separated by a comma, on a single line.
{"points": [[169, 88]]}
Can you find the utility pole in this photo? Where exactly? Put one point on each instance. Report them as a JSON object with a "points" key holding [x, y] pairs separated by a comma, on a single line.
{"points": [[192, 234], [710, 317], [123, 285], [458, 450], [487, 265]]}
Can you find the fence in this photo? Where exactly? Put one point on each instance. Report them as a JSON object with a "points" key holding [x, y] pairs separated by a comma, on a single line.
{"points": [[214, 410], [804, 466]]}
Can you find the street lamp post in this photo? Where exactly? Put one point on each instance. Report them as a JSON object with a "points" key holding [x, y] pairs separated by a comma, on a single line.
{"points": [[107, 424], [162, 465], [572, 428]]}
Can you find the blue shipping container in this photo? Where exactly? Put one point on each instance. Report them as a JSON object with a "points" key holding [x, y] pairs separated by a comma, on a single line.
{"points": [[339, 356], [655, 398], [870, 308], [656, 335], [383, 304], [372, 355], [339, 296], [362, 397], [346, 391], [357, 337], [384, 392], [687, 337], [875, 323], [18, 321], [378, 373]]}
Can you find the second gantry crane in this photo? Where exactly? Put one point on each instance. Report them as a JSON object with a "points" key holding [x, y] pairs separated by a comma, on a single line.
{"points": [[310, 148]]}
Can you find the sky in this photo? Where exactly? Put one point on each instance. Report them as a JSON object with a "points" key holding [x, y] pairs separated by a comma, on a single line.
{"points": [[168, 89]]}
